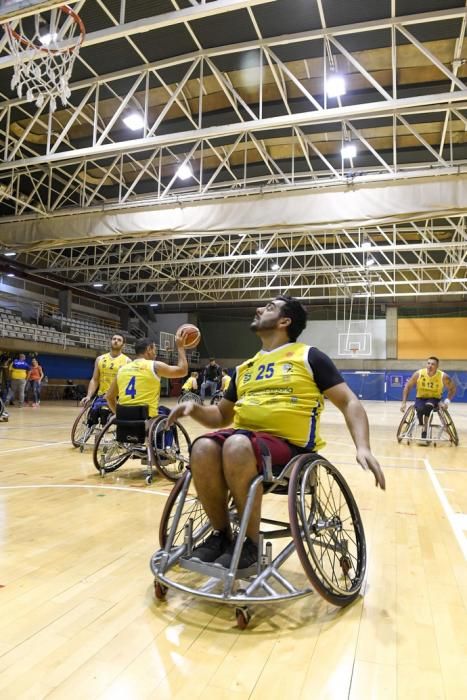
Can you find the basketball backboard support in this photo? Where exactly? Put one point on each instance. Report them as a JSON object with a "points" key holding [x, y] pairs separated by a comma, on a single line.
{"points": [[21, 8]]}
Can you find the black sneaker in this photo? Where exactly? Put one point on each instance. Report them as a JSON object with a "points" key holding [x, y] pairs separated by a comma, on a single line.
{"points": [[212, 547], [248, 555], [423, 434]]}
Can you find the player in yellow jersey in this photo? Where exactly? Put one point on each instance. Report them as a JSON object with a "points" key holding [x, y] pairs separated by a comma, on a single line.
{"points": [[226, 379], [191, 383], [138, 382], [275, 401], [430, 382]]}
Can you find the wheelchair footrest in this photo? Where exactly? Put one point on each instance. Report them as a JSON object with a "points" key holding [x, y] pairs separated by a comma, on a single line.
{"points": [[214, 570]]}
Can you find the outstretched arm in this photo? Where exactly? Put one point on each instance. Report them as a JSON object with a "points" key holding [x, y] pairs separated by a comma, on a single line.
{"points": [[357, 422], [181, 368], [406, 390], [210, 416]]}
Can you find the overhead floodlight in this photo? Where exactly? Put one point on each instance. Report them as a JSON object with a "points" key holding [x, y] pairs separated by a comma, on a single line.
{"points": [[349, 151], [370, 260], [10, 274], [97, 284], [275, 266], [366, 243], [134, 121], [184, 172], [260, 251], [154, 303], [49, 38], [335, 85], [9, 253]]}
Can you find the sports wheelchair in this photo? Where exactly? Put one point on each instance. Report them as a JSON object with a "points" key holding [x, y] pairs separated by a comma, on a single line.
{"points": [[439, 427], [131, 434], [324, 542], [90, 421], [189, 396], [4, 415]]}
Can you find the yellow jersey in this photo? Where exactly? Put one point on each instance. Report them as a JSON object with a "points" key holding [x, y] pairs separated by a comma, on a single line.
{"points": [[429, 387], [226, 379], [277, 394], [108, 368], [139, 385], [189, 384]]}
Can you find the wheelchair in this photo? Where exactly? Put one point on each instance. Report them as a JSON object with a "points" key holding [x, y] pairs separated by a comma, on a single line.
{"points": [[189, 396], [323, 542], [90, 421], [4, 415], [217, 397], [439, 427], [131, 434]]}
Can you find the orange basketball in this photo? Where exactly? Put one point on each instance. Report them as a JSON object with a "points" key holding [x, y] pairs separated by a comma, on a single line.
{"points": [[193, 335]]}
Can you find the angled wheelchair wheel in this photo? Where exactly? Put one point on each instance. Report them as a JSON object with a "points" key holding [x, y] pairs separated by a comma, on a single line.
{"points": [[448, 425], [189, 396], [170, 448], [406, 422], [327, 530], [81, 432], [191, 510], [108, 454], [217, 397]]}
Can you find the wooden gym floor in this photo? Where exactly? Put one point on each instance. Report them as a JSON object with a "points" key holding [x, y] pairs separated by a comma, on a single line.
{"points": [[77, 613]]}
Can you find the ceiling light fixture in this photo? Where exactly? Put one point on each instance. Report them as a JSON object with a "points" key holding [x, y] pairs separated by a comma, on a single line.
{"points": [[370, 260], [335, 85], [134, 121], [366, 243], [184, 172], [349, 151], [9, 253], [10, 274], [260, 251], [275, 266], [154, 303], [97, 284]]}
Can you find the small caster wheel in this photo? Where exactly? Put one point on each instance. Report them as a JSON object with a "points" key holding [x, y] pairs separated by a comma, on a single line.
{"points": [[346, 565], [160, 591], [148, 480], [243, 617], [102, 472], [81, 448]]}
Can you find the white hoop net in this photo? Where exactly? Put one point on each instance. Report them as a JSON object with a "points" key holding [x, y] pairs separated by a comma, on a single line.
{"points": [[45, 47]]}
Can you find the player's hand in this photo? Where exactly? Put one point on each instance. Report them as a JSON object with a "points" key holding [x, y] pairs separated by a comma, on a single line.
{"points": [[180, 338], [183, 409], [403, 407], [85, 401], [369, 462]]}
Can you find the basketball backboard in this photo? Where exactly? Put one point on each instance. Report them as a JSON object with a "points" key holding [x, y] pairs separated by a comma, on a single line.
{"points": [[22, 8]]}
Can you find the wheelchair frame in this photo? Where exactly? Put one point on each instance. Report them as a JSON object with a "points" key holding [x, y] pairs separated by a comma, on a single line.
{"points": [[4, 415], [314, 535], [443, 431], [189, 396], [157, 457], [79, 439]]}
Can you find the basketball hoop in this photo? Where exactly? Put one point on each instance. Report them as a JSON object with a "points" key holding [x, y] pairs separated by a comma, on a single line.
{"points": [[45, 47]]}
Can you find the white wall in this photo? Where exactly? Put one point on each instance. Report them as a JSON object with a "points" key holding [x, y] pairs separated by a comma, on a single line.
{"points": [[325, 336], [168, 323]]}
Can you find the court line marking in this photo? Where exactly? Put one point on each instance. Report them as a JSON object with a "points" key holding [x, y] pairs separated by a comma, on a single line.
{"points": [[455, 520], [85, 486], [34, 447]]}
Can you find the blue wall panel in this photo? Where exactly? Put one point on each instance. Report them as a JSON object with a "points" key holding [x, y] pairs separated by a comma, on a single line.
{"points": [[387, 386], [66, 367]]}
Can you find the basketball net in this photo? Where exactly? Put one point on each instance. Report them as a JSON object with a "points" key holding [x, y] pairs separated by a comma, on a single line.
{"points": [[45, 47]]}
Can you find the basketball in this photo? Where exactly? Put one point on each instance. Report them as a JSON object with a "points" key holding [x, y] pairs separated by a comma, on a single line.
{"points": [[193, 335]]}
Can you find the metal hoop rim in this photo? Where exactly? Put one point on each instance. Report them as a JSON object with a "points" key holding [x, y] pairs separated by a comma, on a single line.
{"points": [[66, 9]]}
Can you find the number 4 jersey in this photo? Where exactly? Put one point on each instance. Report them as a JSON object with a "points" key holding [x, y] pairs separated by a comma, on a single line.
{"points": [[139, 385], [281, 392]]}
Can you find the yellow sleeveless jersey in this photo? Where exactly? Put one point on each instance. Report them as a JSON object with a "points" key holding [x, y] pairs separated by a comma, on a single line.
{"points": [[108, 368], [139, 385], [188, 385], [277, 394], [226, 379], [429, 387]]}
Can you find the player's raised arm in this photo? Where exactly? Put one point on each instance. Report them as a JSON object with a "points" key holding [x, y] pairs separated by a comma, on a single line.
{"points": [[406, 390], [181, 368]]}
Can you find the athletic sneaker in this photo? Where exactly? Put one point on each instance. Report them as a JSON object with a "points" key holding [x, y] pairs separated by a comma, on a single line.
{"points": [[423, 434], [212, 547], [248, 555]]}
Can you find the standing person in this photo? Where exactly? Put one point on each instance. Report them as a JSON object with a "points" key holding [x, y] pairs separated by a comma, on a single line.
{"points": [[430, 382], [35, 377], [212, 375], [19, 369], [275, 400], [4, 376], [138, 382], [105, 369]]}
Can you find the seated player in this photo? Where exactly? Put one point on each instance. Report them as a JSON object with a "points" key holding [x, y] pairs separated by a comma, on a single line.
{"points": [[138, 382], [430, 382], [191, 384], [105, 370], [226, 379], [275, 400]]}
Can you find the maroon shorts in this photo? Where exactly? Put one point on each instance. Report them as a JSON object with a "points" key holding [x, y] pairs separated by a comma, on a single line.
{"points": [[265, 446]]}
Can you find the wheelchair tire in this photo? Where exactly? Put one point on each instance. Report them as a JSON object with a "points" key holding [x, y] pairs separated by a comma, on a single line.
{"points": [[327, 530], [171, 459], [108, 455], [189, 396], [449, 426], [80, 428], [217, 397], [192, 509], [405, 423]]}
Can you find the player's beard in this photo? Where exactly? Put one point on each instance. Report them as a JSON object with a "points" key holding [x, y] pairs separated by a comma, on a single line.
{"points": [[261, 324]]}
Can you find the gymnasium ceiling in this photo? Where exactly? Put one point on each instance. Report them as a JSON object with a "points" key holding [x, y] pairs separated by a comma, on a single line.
{"points": [[235, 90]]}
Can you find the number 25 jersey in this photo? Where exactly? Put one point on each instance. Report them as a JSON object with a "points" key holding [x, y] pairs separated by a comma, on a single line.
{"points": [[279, 392], [139, 385]]}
